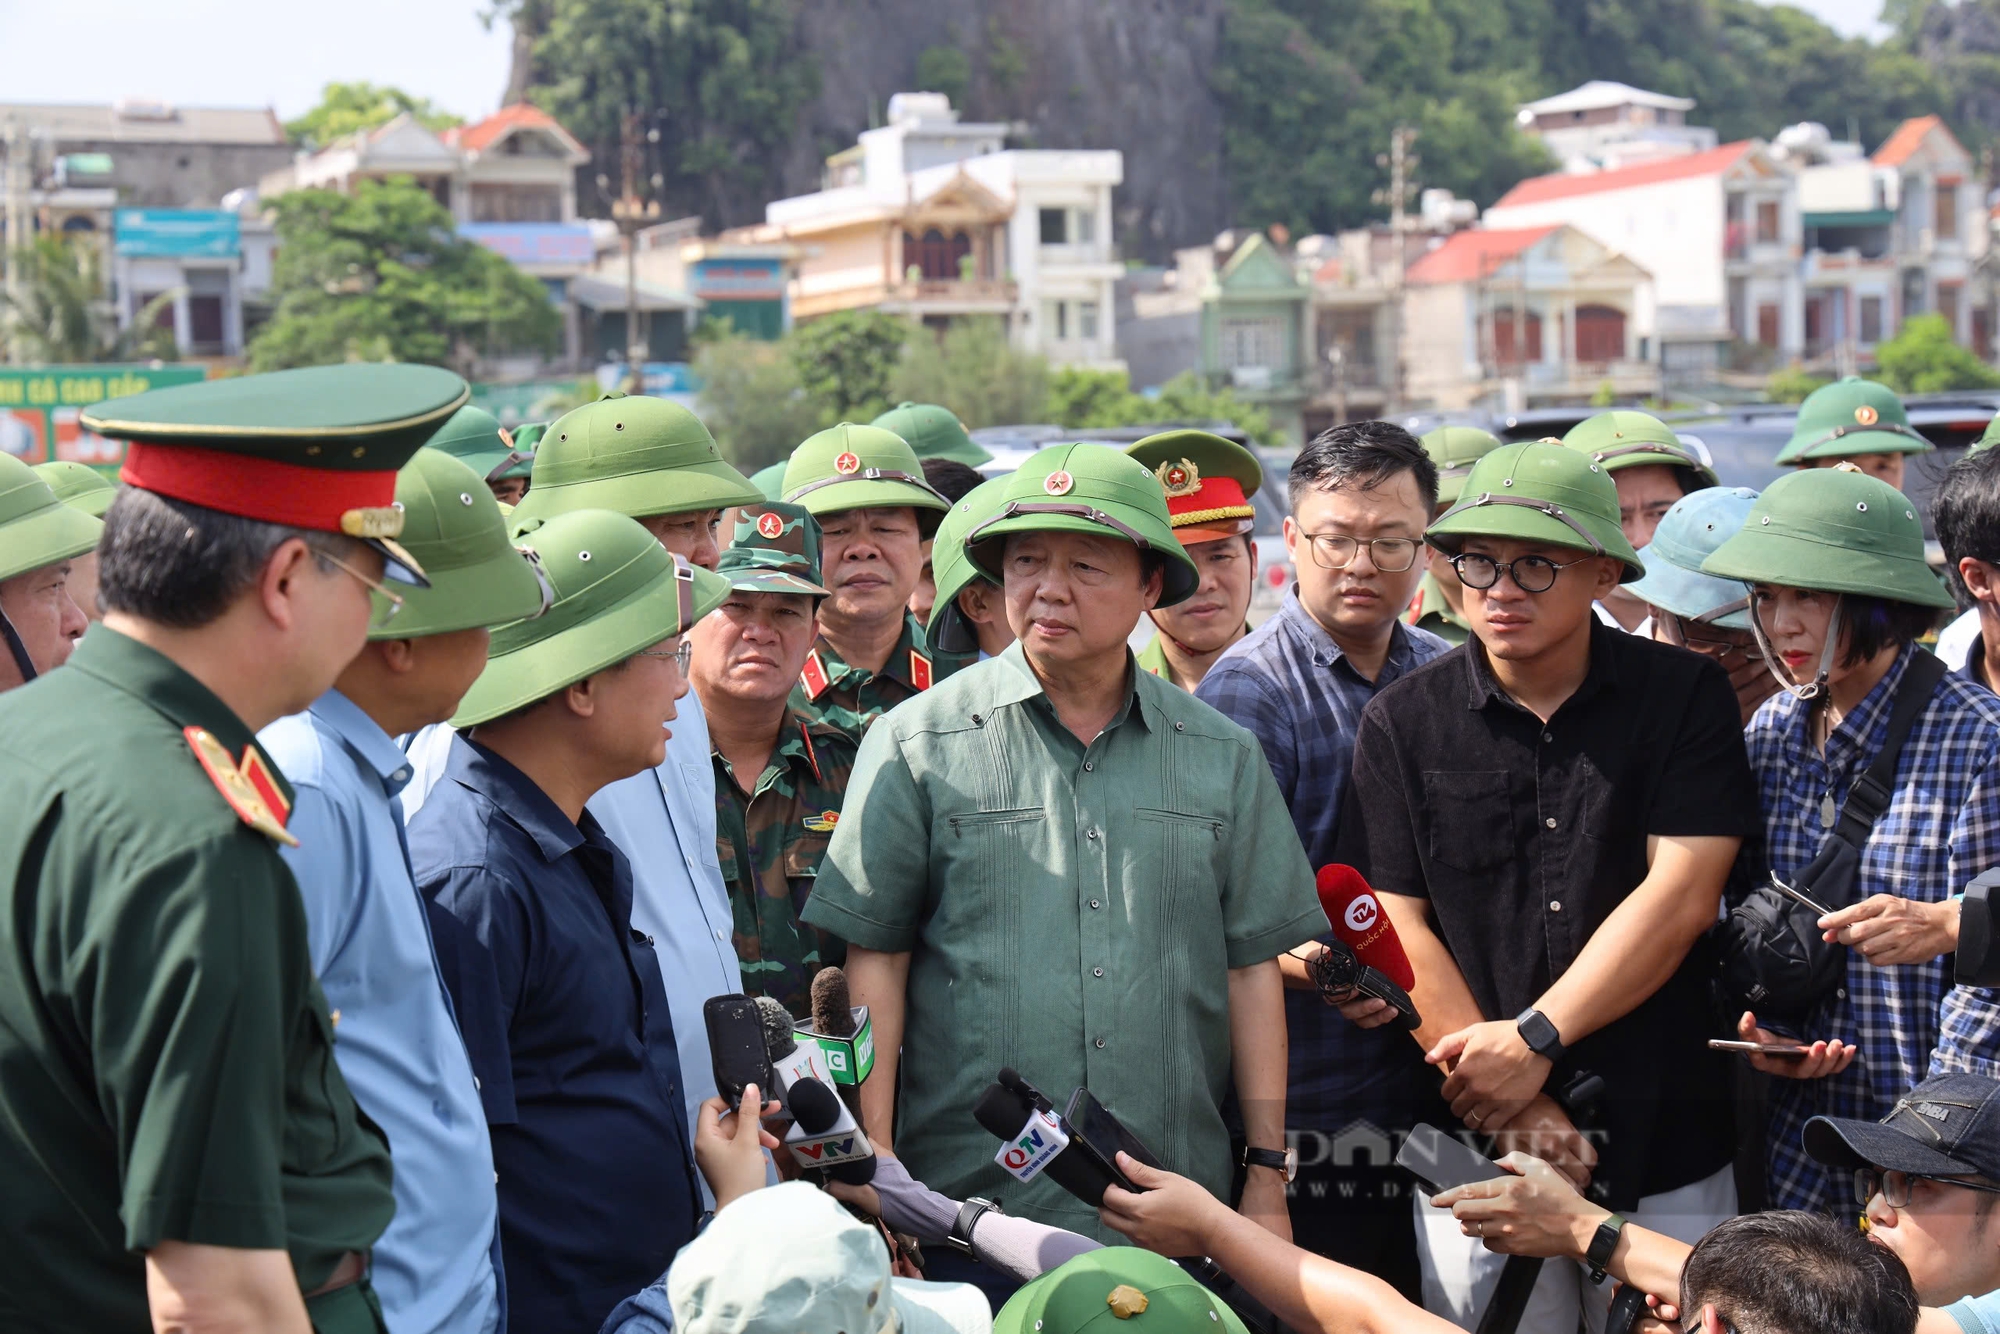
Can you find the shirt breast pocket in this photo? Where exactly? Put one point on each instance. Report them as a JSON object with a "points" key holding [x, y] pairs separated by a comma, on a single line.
{"points": [[802, 862], [1470, 817]]}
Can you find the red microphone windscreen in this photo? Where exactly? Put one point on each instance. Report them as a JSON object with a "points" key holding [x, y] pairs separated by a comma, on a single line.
{"points": [[1360, 923]]}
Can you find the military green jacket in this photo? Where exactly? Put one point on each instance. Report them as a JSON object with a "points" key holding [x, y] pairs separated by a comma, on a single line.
{"points": [[770, 841], [166, 1056], [1070, 910], [830, 691], [1429, 611], [1153, 658]]}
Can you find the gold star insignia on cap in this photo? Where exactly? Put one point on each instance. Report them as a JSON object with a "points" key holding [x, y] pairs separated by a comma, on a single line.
{"points": [[1866, 415], [1058, 483], [769, 524], [374, 521], [1179, 478], [847, 463]]}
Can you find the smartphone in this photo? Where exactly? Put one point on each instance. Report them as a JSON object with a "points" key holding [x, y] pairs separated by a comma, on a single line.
{"points": [[1789, 1051], [1797, 896], [736, 1047], [1442, 1162], [1103, 1135]]}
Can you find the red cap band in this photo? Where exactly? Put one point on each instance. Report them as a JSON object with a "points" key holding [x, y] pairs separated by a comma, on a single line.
{"points": [[1215, 497], [256, 488]]}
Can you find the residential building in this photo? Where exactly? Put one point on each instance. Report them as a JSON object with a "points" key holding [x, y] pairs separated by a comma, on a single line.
{"points": [[1605, 124], [1719, 231], [935, 219], [1509, 318], [1938, 234], [192, 255], [1256, 337], [1847, 208], [151, 154]]}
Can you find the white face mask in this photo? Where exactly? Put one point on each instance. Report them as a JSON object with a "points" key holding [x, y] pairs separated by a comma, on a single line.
{"points": [[1832, 645]]}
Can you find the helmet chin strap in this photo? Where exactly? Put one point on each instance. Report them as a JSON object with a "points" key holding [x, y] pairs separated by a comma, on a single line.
{"points": [[1826, 652], [22, 662]]}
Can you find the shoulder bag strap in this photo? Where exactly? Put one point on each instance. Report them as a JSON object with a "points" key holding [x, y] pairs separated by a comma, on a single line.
{"points": [[1871, 792]]}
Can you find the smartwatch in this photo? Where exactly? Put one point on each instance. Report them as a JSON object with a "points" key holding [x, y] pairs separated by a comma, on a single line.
{"points": [[1285, 1162], [969, 1213], [1540, 1035], [1598, 1257]]}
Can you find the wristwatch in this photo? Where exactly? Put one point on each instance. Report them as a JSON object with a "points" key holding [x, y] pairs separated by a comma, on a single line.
{"points": [[1285, 1162], [1598, 1257], [960, 1237], [1540, 1035]]}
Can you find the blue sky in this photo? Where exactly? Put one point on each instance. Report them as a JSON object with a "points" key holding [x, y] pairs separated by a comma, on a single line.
{"points": [[280, 52]]}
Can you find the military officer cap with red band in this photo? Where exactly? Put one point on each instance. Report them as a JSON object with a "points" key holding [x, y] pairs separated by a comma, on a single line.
{"points": [[317, 448], [1209, 481]]}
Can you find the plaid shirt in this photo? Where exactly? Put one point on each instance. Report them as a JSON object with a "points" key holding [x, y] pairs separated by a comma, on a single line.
{"points": [[1942, 828]]}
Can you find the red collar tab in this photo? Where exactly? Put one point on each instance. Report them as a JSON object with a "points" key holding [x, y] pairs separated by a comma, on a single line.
{"points": [[813, 676], [317, 499], [920, 670]]}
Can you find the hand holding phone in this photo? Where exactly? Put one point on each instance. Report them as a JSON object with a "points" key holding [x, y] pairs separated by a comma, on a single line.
{"points": [[736, 1047], [1442, 1162], [1788, 1051]]}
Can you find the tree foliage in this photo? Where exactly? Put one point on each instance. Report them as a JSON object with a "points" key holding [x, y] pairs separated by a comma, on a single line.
{"points": [[1081, 399], [984, 379], [346, 107], [1922, 359], [752, 399], [844, 362], [63, 315], [380, 275]]}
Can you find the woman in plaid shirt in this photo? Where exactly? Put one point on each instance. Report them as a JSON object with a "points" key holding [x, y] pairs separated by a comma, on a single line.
{"points": [[1839, 593]]}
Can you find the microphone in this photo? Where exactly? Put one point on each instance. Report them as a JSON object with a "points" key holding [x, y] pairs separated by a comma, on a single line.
{"points": [[823, 1134], [1037, 1140], [833, 1017], [1360, 923]]}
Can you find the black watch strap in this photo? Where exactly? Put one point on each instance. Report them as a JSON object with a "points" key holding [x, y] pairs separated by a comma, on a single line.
{"points": [[1278, 1160], [1598, 1257], [969, 1214], [1540, 1034]]}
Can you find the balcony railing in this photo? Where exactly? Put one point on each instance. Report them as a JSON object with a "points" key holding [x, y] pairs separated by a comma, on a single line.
{"points": [[954, 290]]}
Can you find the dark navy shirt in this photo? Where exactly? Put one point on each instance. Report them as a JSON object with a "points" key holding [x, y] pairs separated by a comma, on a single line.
{"points": [[566, 1019]]}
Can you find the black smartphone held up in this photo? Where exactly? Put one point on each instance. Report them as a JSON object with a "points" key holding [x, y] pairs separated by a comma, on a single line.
{"points": [[1103, 1135], [736, 1047], [1442, 1162]]}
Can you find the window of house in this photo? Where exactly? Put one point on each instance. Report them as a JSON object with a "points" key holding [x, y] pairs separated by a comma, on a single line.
{"points": [[1254, 342], [1767, 220], [1944, 221], [1055, 226], [1086, 321], [1086, 226], [1767, 325], [1058, 320], [1947, 304], [1871, 319]]}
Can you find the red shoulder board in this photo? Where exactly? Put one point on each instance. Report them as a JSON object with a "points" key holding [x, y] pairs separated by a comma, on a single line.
{"points": [[813, 676], [1415, 611], [239, 791], [920, 670], [259, 775]]}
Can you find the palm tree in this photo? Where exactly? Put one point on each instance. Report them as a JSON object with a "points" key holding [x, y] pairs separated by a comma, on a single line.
{"points": [[62, 315]]}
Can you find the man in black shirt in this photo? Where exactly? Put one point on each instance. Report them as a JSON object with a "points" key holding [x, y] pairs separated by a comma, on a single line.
{"points": [[1549, 816]]}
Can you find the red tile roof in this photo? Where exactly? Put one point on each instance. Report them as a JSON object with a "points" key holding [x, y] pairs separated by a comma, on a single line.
{"points": [[1471, 255], [1562, 185], [478, 137], [1899, 147]]}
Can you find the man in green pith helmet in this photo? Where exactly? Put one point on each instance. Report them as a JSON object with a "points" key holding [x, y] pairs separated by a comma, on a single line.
{"points": [[84, 488], [780, 775], [934, 433], [866, 487], [476, 438], [1436, 606], [1058, 862], [1209, 482], [1857, 421], [969, 615], [178, 1142], [42, 541], [1651, 469]]}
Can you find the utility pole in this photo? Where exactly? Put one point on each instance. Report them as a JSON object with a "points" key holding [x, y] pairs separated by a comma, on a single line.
{"points": [[1401, 162], [16, 189], [632, 214]]}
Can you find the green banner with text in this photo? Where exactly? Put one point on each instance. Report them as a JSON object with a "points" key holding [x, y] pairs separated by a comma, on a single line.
{"points": [[39, 406]]}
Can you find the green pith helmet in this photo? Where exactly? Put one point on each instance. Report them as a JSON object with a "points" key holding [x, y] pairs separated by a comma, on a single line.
{"points": [[79, 486], [771, 481], [1454, 449], [454, 527], [1624, 438], [775, 550], [633, 455], [1849, 417], [1208, 481], [1113, 1290], [952, 568], [1987, 438], [36, 529], [1835, 531], [1539, 491], [849, 467], [474, 437], [617, 591], [526, 437], [1699, 522], [934, 433], [1084, 488]]}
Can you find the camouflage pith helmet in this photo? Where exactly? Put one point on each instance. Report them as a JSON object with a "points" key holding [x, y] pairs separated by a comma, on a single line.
{"points": [[1454, 449], [1849, 417], [633, 455], [1699, 522], [1836, 531], [849, 467], [79, 486], [454, 527], [1539, 491], [771, 480], [1208, 480], [36, 529], [952, 568], [475, 438], [775, 550], [1624, 438], [1084, 488], [934, 433], [617, 591]]}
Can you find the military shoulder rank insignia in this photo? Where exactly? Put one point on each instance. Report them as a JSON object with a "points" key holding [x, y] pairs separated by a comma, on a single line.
{"points": [[823, 822], [246, 792], [1179, 477], [813, 676], [920, 670]]}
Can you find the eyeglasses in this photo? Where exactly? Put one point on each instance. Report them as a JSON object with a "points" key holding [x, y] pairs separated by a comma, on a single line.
{"points": [[1335, 551], [1675, 629], [682, 655], [1894, 1187], [383, 611], [1531, 574]]}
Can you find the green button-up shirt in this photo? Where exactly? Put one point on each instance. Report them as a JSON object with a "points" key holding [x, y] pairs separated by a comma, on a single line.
{"points": [[832, 691], [166, 1057], [1072, 911]]}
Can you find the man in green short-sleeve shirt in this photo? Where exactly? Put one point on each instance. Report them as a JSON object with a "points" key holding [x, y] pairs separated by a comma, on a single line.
{"points": [[176, 1139], [1058, 863]]}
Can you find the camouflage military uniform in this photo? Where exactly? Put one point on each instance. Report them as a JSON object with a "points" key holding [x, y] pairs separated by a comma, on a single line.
{"points": [[1429, 611], [770, 837], [849, 698]]}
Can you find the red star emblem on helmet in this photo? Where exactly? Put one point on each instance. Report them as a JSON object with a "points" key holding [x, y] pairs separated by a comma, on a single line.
{"points": [[1866, 415], [1058, 483], [848, 462], [769, 524]]}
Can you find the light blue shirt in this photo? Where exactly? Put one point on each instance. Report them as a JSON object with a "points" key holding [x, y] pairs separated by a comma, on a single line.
{"points": [[399, 1045], [1977, 1315]]}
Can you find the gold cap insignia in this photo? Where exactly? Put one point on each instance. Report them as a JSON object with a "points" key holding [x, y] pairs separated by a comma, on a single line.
{"points": [[848, 462], [1058, 483], [1866, 415], [1179, 478], [375, 521], [1126, 1301], [769, 524]]}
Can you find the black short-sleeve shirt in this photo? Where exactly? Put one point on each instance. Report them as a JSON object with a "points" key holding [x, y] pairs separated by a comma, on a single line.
{"points": [[1525, 836]]}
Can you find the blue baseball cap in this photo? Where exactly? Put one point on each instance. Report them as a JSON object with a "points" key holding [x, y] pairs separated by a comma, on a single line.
{"points": [[1947, 1126], [1699, 522]]}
